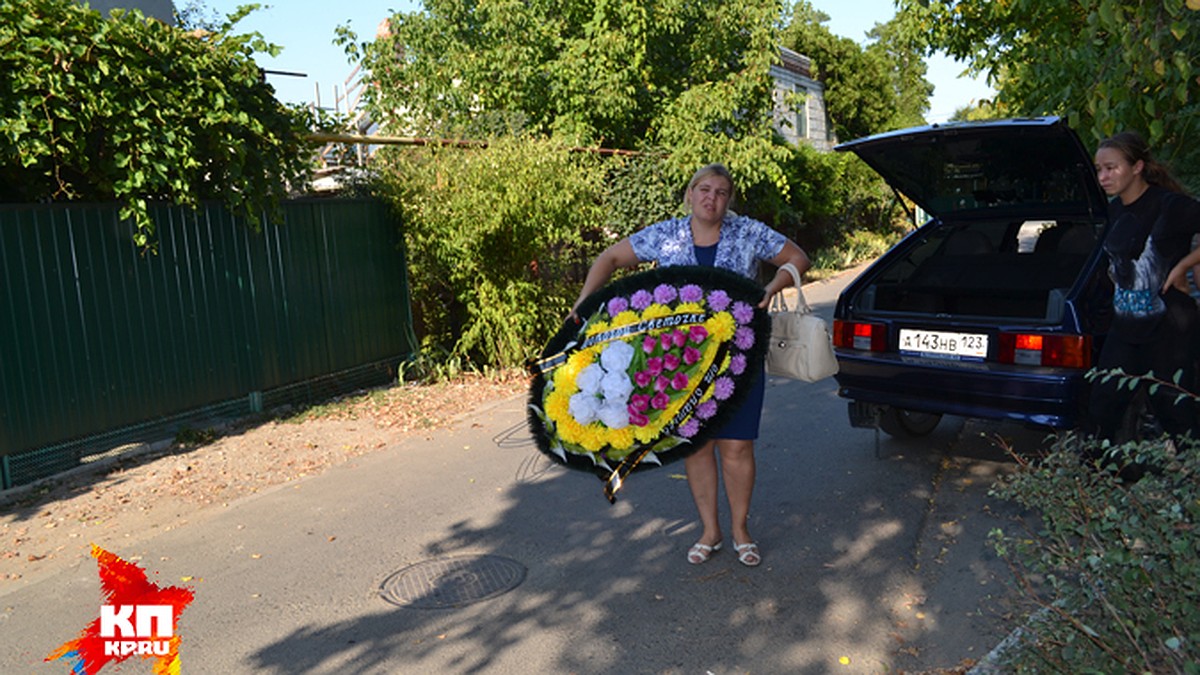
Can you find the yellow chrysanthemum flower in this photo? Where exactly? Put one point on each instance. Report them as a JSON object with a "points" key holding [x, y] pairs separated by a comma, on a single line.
{"points": [[721, 326], [596, 327], [689, 308], [558, 405], [621, 441], [624, 319], [592, 438], [656, 311]]}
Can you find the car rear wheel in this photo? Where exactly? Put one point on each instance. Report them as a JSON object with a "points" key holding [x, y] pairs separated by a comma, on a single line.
{"points": [[901, 423]]}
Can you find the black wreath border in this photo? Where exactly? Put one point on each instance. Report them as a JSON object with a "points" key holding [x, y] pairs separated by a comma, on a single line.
{"points": [[738, 287]]}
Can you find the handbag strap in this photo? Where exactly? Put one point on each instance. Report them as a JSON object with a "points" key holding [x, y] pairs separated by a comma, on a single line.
{"points": [[801, 305]]}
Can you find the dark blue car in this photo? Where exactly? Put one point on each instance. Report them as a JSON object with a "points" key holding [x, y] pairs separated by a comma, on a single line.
{"points": [[995, 308]]}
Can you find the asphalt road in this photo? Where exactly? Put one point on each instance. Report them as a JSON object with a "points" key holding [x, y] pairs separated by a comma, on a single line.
{"points": [[876, 560]]}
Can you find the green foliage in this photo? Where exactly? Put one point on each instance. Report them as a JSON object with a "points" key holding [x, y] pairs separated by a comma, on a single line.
{"points": [[497, 239], [692, 77], [1106, 65], [1114, 564], [130, 110], [867, 91]]}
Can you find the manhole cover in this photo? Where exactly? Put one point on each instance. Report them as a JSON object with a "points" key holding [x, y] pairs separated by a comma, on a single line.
{"points": [[452, 582]]}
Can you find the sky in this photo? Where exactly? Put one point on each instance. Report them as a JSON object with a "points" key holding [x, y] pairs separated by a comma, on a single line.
{"points": [[305, 30]]}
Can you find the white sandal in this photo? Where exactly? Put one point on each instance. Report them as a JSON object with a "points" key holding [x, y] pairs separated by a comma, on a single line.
{"points": [[748, 554], [700, 553]]}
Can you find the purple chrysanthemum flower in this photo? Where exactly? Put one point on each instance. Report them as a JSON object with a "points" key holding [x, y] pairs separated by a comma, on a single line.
{"points": [[718, 300], [649, 343], [689, 428], [743, 338], [665, 293], [723, 388], [706, 410], [617, 305], [691, 293], [641, 300], [743, 312], [679, 382], [691, 355], [737, 364]]}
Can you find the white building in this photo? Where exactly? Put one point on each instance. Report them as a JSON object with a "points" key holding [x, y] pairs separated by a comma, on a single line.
{"points": [[800, 114]]}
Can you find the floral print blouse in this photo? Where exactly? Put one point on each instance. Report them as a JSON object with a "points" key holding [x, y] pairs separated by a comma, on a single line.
{"points": [[744, 241]]}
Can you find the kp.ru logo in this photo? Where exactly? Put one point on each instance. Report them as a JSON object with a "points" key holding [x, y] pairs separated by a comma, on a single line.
{"points": [[138, 619]]}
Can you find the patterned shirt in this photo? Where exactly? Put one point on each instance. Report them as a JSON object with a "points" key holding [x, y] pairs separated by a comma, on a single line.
{"points": [[744, 241]]}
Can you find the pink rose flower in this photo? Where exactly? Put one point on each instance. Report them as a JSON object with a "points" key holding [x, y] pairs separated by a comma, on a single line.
{"points": [[691, 355], [649, 343], [680, 381], [661, 383], [642, 378], [670, 362], [697, 334], [660, 401], [654, 365], [638, 419]]}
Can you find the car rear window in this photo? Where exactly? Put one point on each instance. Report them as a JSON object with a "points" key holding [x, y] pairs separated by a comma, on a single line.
{"points": [[985, 269]]}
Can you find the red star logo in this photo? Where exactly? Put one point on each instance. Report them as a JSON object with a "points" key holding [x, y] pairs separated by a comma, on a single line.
{"points": [[127, 595]]}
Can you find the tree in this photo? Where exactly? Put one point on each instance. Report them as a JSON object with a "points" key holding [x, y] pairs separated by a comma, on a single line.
{"points": [[1105, 65], [867, 90], [905, 59], [693, 77], [129, 109]]}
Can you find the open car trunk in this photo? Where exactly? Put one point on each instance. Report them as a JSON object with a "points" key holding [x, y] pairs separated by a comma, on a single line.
{"points": [[984, 268]]}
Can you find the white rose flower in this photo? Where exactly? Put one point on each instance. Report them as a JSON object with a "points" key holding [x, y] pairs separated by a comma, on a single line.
{"points": [[584, 407], [617, 357], [616, 387], [614, 415], [589, 378]]}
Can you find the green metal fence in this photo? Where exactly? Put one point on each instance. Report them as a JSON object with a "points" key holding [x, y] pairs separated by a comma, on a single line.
{"points": [[102, 343]]}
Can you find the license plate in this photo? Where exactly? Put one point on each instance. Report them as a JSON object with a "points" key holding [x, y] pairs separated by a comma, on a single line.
{"points": [[966, 346]]}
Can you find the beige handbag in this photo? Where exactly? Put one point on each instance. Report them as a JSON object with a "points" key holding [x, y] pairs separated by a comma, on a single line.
{"points": [[801, 347]]}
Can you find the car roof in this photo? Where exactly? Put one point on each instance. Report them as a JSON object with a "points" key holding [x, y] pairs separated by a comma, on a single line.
{"points": [[1013, 168]]}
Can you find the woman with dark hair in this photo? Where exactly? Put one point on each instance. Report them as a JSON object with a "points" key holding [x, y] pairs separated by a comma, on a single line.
{"points": [[713, 236], [1155, 320]]}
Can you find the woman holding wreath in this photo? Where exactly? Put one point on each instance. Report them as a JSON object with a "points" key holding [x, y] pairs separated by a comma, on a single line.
{"points": [[713, 236]]}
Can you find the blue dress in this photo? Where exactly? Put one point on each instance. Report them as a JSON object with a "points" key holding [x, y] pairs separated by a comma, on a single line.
{"points": [[743, 426]]}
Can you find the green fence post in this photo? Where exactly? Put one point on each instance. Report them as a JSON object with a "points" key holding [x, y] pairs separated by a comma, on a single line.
{"points": [[5, 483]]}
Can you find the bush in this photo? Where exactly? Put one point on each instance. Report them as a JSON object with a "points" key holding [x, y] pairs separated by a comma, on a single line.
{"points": [[1114, 564], [498, 240], [129, 109]]}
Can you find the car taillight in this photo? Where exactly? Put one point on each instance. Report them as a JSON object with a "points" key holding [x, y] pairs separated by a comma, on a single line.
{"points": [[1034, 349], [857, 335]]}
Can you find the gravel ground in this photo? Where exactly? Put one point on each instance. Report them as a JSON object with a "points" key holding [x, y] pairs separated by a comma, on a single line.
{"points": [[51, 524]]}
